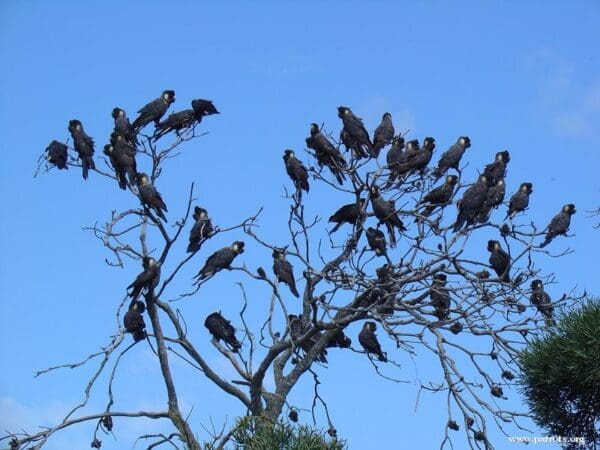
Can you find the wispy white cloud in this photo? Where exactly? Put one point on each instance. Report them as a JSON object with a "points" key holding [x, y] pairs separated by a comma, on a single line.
{"points": [[566, 98], [16, 416]]}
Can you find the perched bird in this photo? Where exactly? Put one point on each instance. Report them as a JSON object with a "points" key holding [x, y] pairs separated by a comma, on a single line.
{"points": [[350, 213], [354, 134], [440, 298], [201, 230], [560, 223], [176, 122], [134, 321], [384, 134], [124, 156], [519, 200], [150, 197], [219, 260], [417, 158], [499, 260], [123, 126], [57, 154], [284, 271], [508, 375], [119, 172], [297, 331], [471, 203], [148, 279], [483, 275], [450, 159], [84, 146], [493, 199], [400, 168], [376, 240], [182, 120], [326, 153], [381, 292], [396, 157], [222, 330], [153, 111], [439, 196], [540, 299], [496, 391], [369, 342], [385, 211], [456, 327], [385, 289], [296, 171], [203, 107], [339, 339], [497, 170]]}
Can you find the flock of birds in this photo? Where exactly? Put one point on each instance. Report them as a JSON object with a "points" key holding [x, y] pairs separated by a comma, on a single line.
{"points": [[403, 159]]}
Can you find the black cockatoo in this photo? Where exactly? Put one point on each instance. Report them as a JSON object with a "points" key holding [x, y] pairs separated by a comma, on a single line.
{"points": [[148, 279], [369, 342], [354, 134], [350, 213], [499, 260], [219, 260], [123, 126], [385, 211], [326, 153], [296, 171], [439, 196], [493, 199], [519, 200], [123, 154], [541, 300], [471, 203], [376, 240], [153, 111], [182, 120], [417, 158], [84, 146], [297, 331], [119, 172], [497, 170], [201, 230], [384, 134], [150, 196], [57, 154], [284, 270], [560, 223], [133, 321], [222, 330], [440, 298], [450, 159]]}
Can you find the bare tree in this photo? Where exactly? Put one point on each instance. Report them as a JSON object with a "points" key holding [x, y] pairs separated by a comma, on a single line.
{"points": [[595, 213], [426, 280]]}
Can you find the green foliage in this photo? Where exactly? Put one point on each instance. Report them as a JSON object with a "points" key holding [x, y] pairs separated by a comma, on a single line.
{"points": [[258, 433], [561, 376]]}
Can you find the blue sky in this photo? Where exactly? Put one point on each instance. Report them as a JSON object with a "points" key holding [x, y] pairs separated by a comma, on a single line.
{"points": [[525, 77]]}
